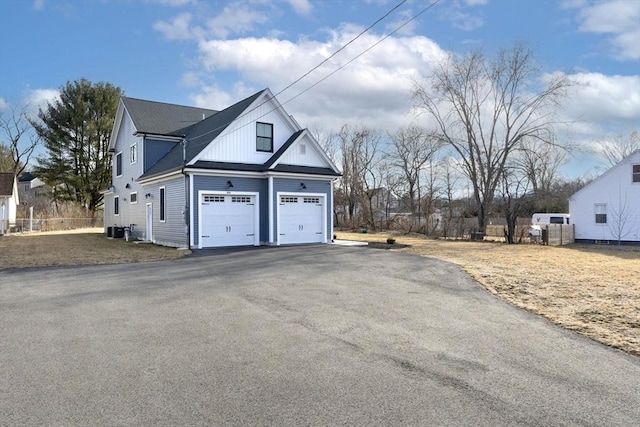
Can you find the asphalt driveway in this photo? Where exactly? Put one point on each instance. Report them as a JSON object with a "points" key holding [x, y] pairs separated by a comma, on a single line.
{"points": [[315, 335]]}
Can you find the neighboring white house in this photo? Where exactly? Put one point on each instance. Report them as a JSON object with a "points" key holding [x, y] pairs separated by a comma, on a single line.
{"points": [[607, 210], [9, 201]]}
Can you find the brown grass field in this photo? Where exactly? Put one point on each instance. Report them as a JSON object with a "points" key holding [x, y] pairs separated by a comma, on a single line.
{"points": [[593, 290], [76, 247]]}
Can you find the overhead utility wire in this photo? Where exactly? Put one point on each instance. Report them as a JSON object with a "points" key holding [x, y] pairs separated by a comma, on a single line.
{"points": [[313, 69], [343, 47], [363, 52], [404, 24]]}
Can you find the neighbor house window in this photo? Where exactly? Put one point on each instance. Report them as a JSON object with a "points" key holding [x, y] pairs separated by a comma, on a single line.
{"points": [[163, 207], [601, 213], [26, 187], [264, 139], [133, 153], [636, 174], [116, 205], [133, 198], [118, 164]]}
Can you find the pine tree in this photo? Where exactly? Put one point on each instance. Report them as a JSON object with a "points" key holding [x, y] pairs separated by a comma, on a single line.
{"points": [[76, 129]]}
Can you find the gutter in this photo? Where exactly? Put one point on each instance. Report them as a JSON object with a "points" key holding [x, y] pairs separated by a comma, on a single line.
{"points": [[186, 214]]}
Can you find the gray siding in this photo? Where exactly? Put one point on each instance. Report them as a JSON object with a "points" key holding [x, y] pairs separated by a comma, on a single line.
{"points": [[154, 150], [293, 186], [173, 231], [219, 183], [131, 214]]}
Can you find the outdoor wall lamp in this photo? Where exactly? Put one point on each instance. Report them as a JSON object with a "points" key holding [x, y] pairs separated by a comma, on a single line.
{"points": [[229, 184], [147, 196], [127, 186], [302, 186]]}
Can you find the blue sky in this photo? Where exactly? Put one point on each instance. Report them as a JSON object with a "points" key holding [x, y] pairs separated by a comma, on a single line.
{"points": [[214, 53]]}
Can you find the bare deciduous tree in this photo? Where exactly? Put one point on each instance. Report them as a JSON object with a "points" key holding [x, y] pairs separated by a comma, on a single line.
{"points": [[622, 218], [617, 148], [17, 139], [486, 108]]}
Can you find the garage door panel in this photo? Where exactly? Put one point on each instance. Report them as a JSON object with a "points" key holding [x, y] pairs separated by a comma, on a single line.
{"points": [[301, 219], [227, 220]]}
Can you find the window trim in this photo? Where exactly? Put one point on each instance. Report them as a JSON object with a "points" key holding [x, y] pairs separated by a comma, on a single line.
{"points": [[258, 136], [163, 204], [118, 164], [133, 153], [131, 197], [116, 205]]}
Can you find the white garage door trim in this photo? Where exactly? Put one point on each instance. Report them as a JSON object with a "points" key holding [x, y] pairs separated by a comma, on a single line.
{"points": [[323, 198], [256, 212]]}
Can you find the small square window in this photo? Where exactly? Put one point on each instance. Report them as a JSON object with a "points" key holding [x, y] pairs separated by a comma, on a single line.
{"points": [[264, 137], [133, 198], [133, 153]]}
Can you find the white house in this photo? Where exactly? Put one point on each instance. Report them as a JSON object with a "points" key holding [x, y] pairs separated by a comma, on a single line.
{"points": [[9, 201], [607, 210], [197, 178]]}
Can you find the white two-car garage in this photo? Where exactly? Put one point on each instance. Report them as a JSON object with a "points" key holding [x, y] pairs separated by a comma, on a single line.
{"points": [[301, 218], [230, 219]]}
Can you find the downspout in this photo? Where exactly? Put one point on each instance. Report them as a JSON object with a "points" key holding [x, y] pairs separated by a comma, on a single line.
{"points": [[185, 213]]}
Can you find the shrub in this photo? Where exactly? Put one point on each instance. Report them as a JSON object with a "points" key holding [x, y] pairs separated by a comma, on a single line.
{"points": [[391, 240]]}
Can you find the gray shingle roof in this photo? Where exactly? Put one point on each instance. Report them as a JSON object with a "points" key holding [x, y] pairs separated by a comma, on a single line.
{"points": [[163, 119]]}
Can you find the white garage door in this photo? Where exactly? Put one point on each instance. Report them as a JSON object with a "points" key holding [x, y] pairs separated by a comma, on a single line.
{"points": [[301, 219], [227, 220]]}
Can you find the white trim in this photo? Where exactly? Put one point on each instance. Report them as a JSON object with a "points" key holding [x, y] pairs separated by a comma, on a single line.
{"points": [[323, 196], [136, 202], [135, 151], [191, 210], [331, 211], [159, 178], [251, 174], [158, 137], [256, 212], [148, 230], [270, 203], [162, 209]]}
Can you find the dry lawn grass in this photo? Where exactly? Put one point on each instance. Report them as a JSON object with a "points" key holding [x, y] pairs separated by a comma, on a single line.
{"points": [[76, 247], [593, 290]]}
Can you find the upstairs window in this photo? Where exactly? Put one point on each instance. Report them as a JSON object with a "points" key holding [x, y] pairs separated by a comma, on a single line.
{"points": [[118, 164], [264, 138], [601, 213], [133, 153], [635, 174]]}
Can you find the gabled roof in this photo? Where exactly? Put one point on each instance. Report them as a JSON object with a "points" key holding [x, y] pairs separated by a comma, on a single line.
{"points": [[633, 157], [163, 119], [26, 177], [198, 136], [6, 184]]}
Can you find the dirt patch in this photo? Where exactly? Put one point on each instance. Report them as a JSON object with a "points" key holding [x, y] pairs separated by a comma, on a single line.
{"points": [[78, 247], [593, 290]]}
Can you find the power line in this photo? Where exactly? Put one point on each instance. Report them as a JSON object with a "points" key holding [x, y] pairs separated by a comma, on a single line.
{"points": [[414, 17]]}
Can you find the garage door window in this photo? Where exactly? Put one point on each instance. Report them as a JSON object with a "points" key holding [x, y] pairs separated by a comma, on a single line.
{"points": [[288, 200], [240, 199], [213, 199], [315, 200]]}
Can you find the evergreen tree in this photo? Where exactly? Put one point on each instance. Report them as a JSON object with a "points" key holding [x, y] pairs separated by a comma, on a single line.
{"points": [[76, 129]]}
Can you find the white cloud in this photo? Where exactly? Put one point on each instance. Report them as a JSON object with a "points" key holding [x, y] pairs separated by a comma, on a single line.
{"points": [[373, 90], [174, 3], [36, 99], [38, 4], [235, 19], [461, 16], [619, 19], [179, 28], [301, 7], [3, 104]]}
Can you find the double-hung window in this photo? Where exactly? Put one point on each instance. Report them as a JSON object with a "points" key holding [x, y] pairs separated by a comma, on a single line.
{"points": [[601, 213], [264, 137], [133, 153]]}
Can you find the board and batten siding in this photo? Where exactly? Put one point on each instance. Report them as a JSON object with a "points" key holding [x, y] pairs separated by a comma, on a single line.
{"points": [[292, 186], [237, 143], [303, 153], [218, 184], [173, 231]]}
